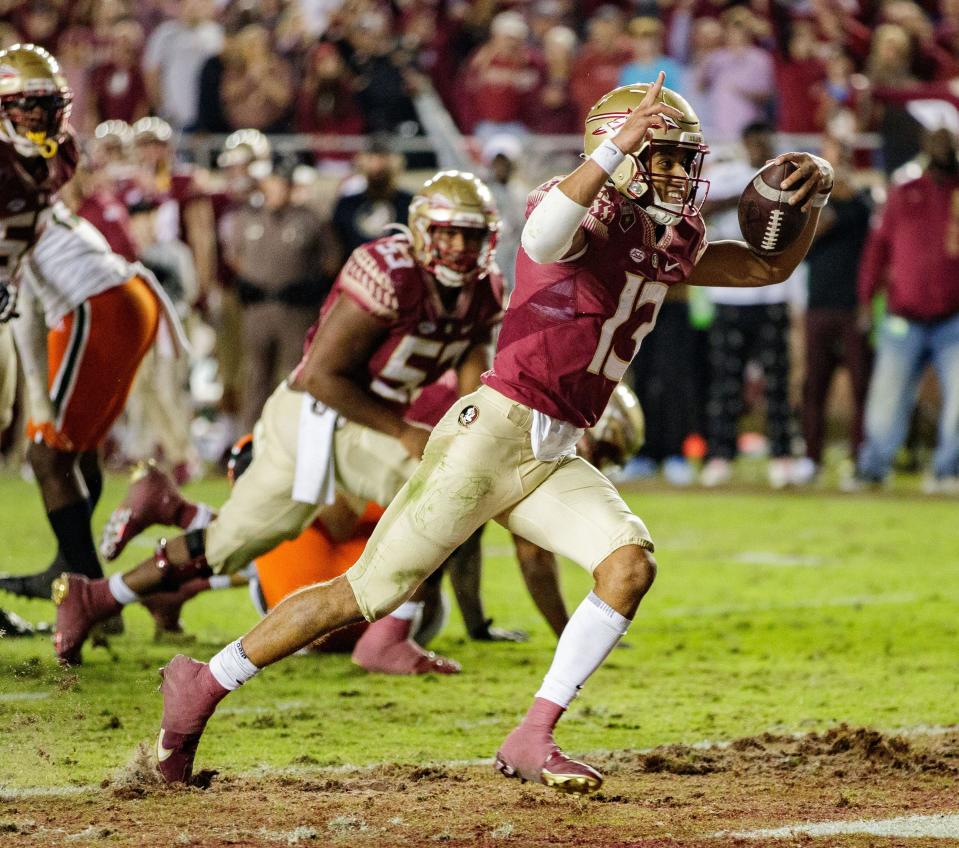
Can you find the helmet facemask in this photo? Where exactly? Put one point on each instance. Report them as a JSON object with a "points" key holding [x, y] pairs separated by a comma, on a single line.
{"points": [[453, 226], [666, 197], [454, 265], [36, 121], [34, 100]]}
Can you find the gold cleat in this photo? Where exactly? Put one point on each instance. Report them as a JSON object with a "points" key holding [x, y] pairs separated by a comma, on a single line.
{"points": [[59, 589], [572, 784]]}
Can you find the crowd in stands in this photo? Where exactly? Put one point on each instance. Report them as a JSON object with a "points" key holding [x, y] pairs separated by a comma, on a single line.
{"points": [[352, 66], [843, 75]]}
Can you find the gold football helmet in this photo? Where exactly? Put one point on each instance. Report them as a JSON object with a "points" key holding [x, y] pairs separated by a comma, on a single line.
{"points": [[633, 178], [151, 129], [454, 199], [243, 147], [34, 100], [621, 429], [115, 134]]}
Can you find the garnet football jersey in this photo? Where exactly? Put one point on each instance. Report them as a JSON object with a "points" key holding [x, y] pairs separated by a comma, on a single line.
{"points": [[573, 327], [432, 402], [423, 339], [27, 185]]}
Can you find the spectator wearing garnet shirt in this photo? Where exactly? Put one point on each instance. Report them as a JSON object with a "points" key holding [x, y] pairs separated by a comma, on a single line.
{"points": [[799, 74], [75, 55], [550, 109], [325, 102], [40, 23], [598, 63], [499, 77], [913, 255], [119, 90], [433, 36]]}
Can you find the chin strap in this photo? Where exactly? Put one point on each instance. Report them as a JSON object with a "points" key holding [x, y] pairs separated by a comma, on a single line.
{"points": [[31, 144], [46, 147], [660, 213]]}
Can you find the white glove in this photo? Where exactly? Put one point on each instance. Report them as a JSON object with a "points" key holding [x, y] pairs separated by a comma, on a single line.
{"points": [[8, 301]]}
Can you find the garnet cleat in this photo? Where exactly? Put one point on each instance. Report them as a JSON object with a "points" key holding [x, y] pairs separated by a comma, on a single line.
{"points": [[544, 762], [190, 696], [81, 604], [431, 663], [405, 658], [386, 648], [151, 499]]}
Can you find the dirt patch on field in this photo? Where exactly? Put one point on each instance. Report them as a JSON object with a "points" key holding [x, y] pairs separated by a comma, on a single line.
{"points": [[674, 796], [843, 751]]}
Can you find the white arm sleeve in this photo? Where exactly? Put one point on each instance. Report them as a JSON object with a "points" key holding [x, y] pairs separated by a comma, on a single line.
{"points": [[30, 334], [551, 227]]}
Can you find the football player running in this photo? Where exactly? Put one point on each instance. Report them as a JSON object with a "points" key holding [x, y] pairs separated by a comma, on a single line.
{"points": [[403, 310], [600, 248], [86, 316]]}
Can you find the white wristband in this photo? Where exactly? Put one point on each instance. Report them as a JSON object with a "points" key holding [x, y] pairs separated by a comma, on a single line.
{"points": [[819, 199], [608, 156]]}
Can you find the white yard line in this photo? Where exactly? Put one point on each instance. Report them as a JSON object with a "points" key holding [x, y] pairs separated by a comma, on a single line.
{"points": [[9, 793], [945, 826], [7, 697]]}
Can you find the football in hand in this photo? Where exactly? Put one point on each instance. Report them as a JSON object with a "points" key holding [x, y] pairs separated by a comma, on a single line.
{"points": [[768, 223]]}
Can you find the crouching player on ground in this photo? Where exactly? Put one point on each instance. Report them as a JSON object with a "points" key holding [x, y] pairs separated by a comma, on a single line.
{"points": [[601, 247], [404, 310]]}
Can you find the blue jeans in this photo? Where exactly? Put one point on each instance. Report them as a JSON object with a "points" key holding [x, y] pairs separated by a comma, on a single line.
{"points": [[904, 349]]}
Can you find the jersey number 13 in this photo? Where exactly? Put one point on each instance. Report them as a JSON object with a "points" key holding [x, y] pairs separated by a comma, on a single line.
{"points": [[640, 301]]}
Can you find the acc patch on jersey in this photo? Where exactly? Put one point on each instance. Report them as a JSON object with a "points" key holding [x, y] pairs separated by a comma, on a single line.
{"points": [[468, 415]]}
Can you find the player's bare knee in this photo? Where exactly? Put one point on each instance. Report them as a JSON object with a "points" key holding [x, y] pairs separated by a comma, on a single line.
{"points": [[46, 461], [630, 570]]}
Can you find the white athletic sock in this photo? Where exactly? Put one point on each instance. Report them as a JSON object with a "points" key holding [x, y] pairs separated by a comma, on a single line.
{"points": [[122, 593], [232, 667], [220, 581], [592, 632], [407, 611], [202, 519]]}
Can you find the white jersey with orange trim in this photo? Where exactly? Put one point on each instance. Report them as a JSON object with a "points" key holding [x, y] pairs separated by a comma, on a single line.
{"points": [[70, 263]]}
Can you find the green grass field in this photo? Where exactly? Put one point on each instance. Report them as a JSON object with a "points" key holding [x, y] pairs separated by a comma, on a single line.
{"points": [[771, 612]]}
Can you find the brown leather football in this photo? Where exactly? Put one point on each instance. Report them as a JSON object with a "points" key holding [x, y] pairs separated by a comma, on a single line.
{"points": [[768, 223]]}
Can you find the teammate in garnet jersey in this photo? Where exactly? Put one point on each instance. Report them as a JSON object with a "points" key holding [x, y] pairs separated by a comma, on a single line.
{"points": [[600, 248], [403, 310]]}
